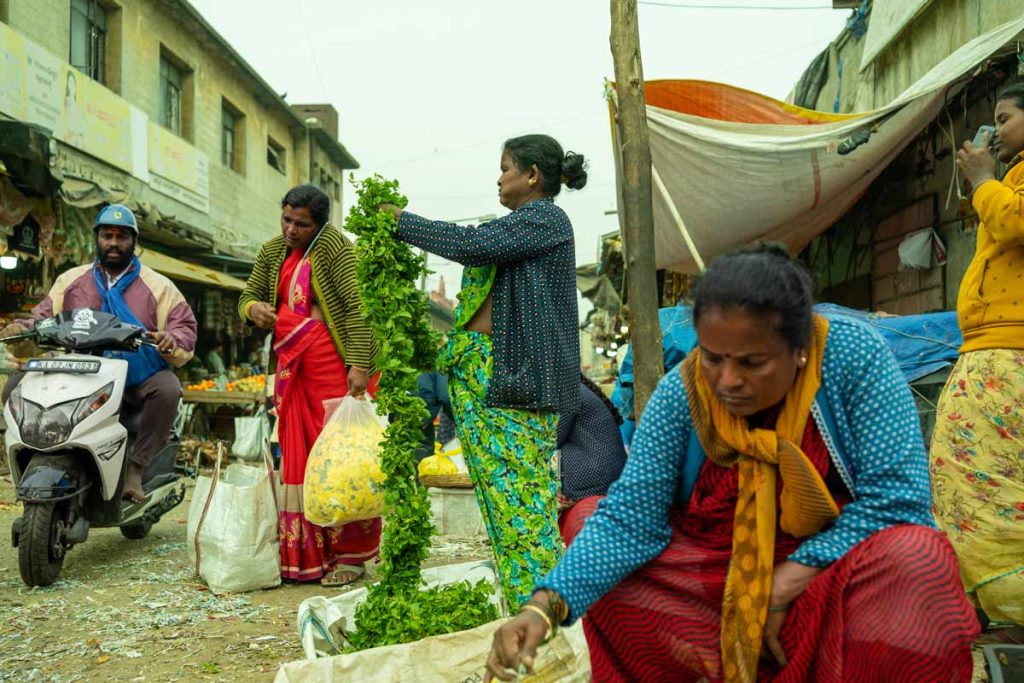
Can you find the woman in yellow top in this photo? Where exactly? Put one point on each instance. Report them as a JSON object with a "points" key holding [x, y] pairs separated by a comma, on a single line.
{"points": [[977, 453]]}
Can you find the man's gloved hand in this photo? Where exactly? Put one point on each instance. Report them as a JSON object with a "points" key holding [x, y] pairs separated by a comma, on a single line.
{"points": [[8, 360], [13, 329], [19, 349]]}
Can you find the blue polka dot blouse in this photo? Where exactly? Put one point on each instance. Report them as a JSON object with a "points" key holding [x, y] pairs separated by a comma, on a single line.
{"points": [[535, 318], [873, 422]]}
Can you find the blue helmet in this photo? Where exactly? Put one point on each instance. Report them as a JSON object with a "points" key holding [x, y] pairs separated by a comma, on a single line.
{"points": [[118, 215]]}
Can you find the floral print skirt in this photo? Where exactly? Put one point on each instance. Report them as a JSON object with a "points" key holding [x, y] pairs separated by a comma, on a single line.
{"points": [[977, 468], [509, 456]]}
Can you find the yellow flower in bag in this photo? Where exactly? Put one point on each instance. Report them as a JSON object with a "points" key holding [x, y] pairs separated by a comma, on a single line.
{"points": [[439, 463], [343, 478]]}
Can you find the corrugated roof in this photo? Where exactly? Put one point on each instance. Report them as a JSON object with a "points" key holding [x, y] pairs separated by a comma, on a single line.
{"points": [[190, 272]]}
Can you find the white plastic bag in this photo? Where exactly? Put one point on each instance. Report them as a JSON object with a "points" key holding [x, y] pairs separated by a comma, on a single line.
{"points": [[250, 434], [323, 621], [452, 658], [232, 528], [456, 657], [343, 479]]}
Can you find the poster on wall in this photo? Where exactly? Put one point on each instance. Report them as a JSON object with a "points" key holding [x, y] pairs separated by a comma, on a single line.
{"points": [[96, 120], [42, 89], [12, 69], [178, 169], [37, 87]]}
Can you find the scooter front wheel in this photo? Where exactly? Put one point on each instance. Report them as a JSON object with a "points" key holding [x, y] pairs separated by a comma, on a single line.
{"points": [[41, 544]]}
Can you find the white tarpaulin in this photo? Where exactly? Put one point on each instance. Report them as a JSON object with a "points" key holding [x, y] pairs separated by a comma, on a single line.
{"points": [[752, 168]]}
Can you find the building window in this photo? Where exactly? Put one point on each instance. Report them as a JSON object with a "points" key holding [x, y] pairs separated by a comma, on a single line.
{"points": [[275, 155], [176, 100], [171, 80], [227, 137], [232, 146], [89, 39]]}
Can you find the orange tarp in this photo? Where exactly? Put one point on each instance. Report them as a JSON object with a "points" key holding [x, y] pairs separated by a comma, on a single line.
{"points": [[727, 103]]}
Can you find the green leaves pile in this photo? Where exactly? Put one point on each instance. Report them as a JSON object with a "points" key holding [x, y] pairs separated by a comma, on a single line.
{"points": [[395, 610]]}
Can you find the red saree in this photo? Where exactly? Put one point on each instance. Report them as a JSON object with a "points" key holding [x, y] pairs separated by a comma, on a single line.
{"points": [[309, 372], [892, 609]]}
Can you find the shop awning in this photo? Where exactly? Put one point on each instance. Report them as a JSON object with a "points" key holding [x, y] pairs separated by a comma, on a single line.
{"points": [[190, 272], [731, 166], [25, 151], [83, 193]]}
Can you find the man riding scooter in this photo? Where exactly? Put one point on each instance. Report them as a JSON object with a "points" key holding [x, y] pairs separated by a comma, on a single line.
{"points": [[117, 283]]}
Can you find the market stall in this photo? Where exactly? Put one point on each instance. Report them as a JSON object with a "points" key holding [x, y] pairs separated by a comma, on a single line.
{"points": [[211, 406], [228, 398]]}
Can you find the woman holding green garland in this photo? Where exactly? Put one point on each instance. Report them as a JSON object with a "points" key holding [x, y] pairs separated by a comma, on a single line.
{"points": [[513, 355]]}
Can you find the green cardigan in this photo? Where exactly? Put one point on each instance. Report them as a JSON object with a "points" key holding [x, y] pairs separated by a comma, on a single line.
{"points": [[334, 284]]}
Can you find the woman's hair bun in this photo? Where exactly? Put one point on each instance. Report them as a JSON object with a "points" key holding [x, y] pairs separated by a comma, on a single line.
{"points": [[574, 171]]}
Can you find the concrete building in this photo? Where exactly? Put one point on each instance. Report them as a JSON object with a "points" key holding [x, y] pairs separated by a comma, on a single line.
{"points": [[143, 102], [857, 261]]}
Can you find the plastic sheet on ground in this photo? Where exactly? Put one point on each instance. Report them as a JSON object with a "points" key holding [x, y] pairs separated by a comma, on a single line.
{"points": [[457, 657], [322, 621], [454, 657]]}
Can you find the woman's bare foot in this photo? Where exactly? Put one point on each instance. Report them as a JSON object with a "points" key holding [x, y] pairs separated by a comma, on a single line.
{"points": [[343, 575], [133, 484]]}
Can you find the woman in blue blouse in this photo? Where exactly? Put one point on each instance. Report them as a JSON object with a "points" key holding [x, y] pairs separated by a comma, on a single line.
{"points": [[513, 355], [591, 456], [773, 520]]}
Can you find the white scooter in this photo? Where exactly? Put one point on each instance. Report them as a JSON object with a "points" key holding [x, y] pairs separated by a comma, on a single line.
{"points": [[68, 438]]}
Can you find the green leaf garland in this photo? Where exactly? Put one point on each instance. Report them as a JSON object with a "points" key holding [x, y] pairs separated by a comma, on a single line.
{"points": [[396, 610]]}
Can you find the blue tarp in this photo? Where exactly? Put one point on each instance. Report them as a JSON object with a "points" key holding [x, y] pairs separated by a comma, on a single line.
{"points": [[922, 345]]}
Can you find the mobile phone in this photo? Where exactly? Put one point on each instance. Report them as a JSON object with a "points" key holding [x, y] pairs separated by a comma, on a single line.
{"points": [[984, 131]]}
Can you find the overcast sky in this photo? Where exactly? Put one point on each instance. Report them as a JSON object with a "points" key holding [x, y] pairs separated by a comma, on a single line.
{"points": [[428, 91]]}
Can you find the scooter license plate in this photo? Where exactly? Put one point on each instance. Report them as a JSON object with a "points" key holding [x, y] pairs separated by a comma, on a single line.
{"points": [[85, 367]]}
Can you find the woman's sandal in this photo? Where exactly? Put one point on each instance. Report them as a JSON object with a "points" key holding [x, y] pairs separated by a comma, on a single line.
{"points": [[332, 579]]}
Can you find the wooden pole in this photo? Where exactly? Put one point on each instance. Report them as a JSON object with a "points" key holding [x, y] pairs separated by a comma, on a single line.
{"points": [[637, 210]]}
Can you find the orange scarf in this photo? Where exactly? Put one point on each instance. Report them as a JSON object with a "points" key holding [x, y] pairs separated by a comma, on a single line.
{"points": [[761, 455]]}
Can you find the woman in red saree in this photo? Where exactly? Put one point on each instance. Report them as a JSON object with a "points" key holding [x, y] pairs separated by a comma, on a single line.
{"points": [[309, 372], [308, 272]]}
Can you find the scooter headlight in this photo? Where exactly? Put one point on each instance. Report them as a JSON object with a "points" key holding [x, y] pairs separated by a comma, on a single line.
{"points": [[14, 402], [46, 427]]}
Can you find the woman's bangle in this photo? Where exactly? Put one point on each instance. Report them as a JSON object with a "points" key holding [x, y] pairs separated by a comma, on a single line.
{"points": [[536, 609], [547, 610], [780, 608], [557, 605]]}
